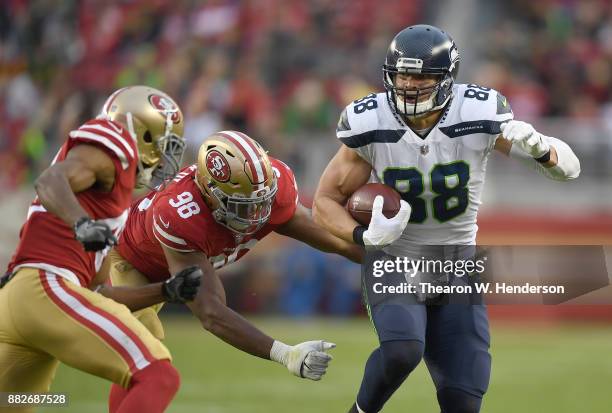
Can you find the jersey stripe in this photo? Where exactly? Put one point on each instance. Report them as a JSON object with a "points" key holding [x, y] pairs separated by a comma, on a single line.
{"points": [[167, 236], [467, 128], [106, 326], [35, 208], [373, 136], [248, 152], [125, 163], [166, 244], [112, 133]]}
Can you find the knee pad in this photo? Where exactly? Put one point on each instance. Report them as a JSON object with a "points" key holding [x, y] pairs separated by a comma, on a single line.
{"points": [[454, 400], [400, 358]]}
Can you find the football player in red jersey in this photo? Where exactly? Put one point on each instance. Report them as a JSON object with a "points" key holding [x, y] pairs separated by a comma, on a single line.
{"points": [[209, 216], [47, 312]]}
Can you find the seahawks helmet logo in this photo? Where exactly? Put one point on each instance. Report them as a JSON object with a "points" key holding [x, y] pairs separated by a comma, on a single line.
{"points": [[454, 57]]}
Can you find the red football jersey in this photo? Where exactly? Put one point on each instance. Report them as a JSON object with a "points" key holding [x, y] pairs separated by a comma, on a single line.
{"points": [[178, 218], [47, 242]]}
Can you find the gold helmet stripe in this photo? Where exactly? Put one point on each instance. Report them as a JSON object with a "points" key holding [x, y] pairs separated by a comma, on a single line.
{"points": [[250, 154]]}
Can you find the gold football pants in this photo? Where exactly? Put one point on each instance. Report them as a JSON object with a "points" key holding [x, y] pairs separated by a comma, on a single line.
{"points": [[122, 273], [45, 319]]}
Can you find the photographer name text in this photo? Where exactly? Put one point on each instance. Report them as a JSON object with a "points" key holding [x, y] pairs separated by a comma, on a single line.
{"points": [[480, 288]]}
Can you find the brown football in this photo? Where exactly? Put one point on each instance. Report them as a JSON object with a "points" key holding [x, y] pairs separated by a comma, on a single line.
{"points": [[360, 203]]}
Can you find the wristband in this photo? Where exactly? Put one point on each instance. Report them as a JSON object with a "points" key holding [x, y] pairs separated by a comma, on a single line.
{"points": [[544, 158], [279, 351], [358, 234]]}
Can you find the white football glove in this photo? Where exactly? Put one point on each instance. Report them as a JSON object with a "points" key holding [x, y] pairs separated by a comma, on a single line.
{"points": [[525, 137], [382, 230], [307, 360]]}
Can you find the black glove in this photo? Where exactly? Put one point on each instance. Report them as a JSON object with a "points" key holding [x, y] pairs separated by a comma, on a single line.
{"points": [[183, 286], [94, 235]]}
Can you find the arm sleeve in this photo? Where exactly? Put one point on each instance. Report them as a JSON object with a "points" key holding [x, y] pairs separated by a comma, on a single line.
{"points": [[568, 165]]}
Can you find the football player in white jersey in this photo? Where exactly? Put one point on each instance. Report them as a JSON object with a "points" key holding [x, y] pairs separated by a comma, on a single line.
{"points": [[430, 139]]}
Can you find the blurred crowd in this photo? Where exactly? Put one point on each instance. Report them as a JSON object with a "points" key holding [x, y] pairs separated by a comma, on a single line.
{"points": [[551, 57], [284, 276], [270, 68], [280, 71]]}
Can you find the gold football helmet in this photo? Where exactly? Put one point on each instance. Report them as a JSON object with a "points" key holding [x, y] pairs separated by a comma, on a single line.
{"points": [[235, 175], [156, 123]]}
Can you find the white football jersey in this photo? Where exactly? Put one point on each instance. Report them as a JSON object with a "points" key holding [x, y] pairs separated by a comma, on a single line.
{"points": [[442, 174]]}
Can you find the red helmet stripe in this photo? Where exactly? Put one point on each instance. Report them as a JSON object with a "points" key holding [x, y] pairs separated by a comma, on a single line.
{"points": [[111, 99], [257, 152], [245, 152]]}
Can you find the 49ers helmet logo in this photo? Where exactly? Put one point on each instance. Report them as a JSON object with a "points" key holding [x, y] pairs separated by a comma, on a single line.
{"points": [[165, 106], [217, 166]]}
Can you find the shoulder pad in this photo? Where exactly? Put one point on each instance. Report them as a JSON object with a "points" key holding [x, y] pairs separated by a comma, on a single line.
{"points": [[483, 103], [360, 123], [287, 186], [481, 110], [359, 116], [111, 136]]}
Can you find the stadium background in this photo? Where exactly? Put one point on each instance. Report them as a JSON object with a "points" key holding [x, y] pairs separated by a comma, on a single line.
{"points": [[281, 71]]}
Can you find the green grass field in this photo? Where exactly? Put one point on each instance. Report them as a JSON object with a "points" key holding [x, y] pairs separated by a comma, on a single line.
{"points": [[543, 369]]}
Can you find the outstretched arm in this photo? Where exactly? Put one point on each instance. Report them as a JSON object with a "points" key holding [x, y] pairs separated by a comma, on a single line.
{"points": [[550, 156], [307, 359], [210, 307], [303, 228]]}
